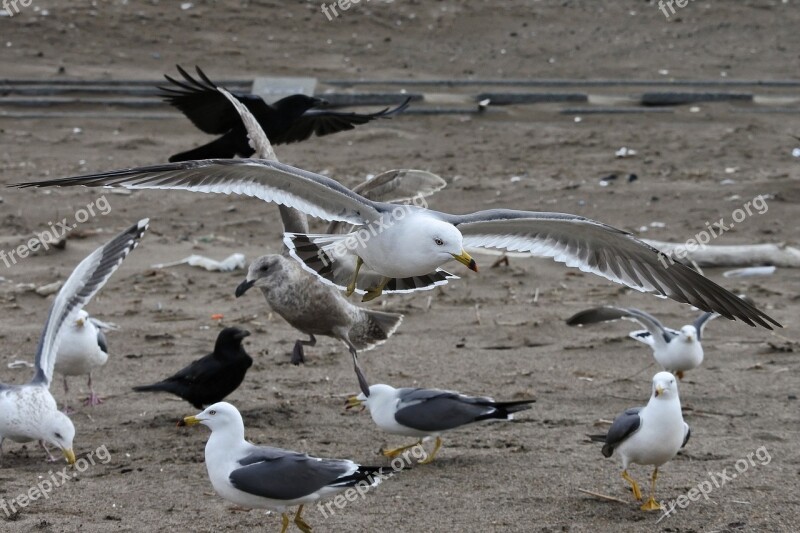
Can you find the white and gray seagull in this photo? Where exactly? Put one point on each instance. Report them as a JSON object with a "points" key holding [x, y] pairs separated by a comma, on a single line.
{"points": [[425, 413], [675, 351], [649, 435], [403, 247], [263, 477], [83, 350], [29, 412]]}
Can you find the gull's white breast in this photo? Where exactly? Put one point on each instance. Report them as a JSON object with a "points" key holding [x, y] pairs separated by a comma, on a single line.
{"points": [[679, 355], [78, 352], [660, 436]]}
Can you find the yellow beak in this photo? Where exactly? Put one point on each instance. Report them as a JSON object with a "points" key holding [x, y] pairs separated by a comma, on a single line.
{"points": [[352, 402], [69, 455], [659, 390], [189, 421], [79, 322], [465, 259]]}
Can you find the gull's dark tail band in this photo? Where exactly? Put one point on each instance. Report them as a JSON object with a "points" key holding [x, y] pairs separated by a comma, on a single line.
{"points": [[506, 410]]}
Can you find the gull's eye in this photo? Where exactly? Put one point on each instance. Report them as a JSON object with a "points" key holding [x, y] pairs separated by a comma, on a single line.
{"points": [[212, 412], [58, 436], [438, 241]]}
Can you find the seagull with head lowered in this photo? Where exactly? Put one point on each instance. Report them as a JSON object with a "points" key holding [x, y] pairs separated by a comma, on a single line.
{"points": [[262, 477], [650, 435], [29, 412], [83, 349], [291, 119], [675, 351], [425, 413], [402, 248]]}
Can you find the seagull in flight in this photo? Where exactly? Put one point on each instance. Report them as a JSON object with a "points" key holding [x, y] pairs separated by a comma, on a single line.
{"points": [[403, 247]]}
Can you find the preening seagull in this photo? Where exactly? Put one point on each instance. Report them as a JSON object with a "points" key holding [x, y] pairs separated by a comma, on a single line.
{"points": [[29, 412], [422, 413], [649, 435], [675, 351], [291, 119], [84, 348], [271, 478], [405, 246]]}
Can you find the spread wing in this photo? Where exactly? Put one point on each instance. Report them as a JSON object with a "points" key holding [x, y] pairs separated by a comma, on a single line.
{"points": [[605, 251]]}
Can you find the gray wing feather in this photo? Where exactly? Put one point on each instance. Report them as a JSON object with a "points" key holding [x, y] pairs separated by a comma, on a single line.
{"points": [[84, 282], [438, 410], [700, 323], [608, 313], [687, 433], [623, 427], [102, 342], [271, 181], [603, 250], [284, 475]]}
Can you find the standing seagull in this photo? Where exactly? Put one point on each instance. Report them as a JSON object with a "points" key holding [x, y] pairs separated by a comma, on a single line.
{"points": [[83, 349], [398, 243], [29, 412], [675, 351], [291, 119], [212, 377], [649, 435], [424, 413], [264, 477]]}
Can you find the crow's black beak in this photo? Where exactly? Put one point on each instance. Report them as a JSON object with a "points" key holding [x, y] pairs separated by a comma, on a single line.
{"points": [[244, 287], [242, 334]]}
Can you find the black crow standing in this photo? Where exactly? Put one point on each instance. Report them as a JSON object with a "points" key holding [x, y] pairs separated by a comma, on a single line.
{"points": [[211, 378]]}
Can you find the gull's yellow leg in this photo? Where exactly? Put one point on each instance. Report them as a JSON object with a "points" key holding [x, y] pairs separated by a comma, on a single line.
{"points": [[299, 522], [285, 522], [635, 486], [651, 504], [376, 291], [430, 457], [397, 451], [351, 287]]}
